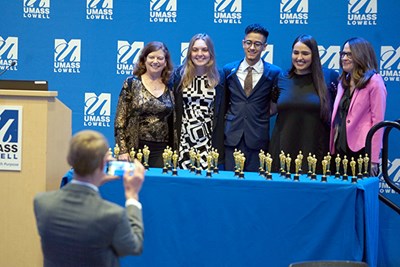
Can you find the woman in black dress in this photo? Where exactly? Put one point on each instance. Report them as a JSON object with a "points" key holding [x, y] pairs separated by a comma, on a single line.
{"points": [[304, 106]]}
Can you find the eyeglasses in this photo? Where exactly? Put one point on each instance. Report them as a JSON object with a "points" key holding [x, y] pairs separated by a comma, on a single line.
{"points": [[249, 43], [348, 54]]}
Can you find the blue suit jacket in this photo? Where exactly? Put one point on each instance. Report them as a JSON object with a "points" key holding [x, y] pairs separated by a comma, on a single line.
{"points": [[248, 116]]}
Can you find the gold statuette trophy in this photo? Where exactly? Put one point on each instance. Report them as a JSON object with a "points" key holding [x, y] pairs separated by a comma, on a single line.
{"points": [[360, 162], [338, 160], [209, 165], [175, 163], [165, 161], [366, 165], [288, 162], [215, 156], [242, 159], [268, 166], [261, 157], [146, 155], [297, 168], [324, 163], [353, 170], [345, 161], [282, 161], [313, 166], [328, 164], [198, 161]]}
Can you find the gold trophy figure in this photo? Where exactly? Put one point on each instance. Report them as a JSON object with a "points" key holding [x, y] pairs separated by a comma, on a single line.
{"points": [[175, 163], [309, 162], [209, 164], [198, 161], [288, 161], [300, 157], [116, 151], [261, 157], [324, 163], [337, 163], [345, 161], [215, 156], [165, 161], [360, 162], [282, 161], [146, 155], [353, 170], [313, 166], [236, 157], [328, 164], [132, 154], [297, 166], [268, 165], [170, 153], [242, 159], [366, 165], [139, 155], [192, 157]]}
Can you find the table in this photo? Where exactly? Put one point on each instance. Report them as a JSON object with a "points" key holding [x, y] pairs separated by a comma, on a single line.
{"points": [[192, 220]]}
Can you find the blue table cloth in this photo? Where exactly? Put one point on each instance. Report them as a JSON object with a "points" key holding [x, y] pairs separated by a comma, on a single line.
{"points": [[191, 220]]}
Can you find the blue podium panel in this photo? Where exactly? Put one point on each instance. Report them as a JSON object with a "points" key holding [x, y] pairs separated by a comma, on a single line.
{"points": [[224, 221]]}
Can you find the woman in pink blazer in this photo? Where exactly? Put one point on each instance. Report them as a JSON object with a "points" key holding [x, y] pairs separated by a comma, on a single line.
{"points": [[360, 103]]}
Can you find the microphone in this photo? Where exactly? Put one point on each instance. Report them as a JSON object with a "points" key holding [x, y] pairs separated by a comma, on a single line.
{"points": [[8, 67]]}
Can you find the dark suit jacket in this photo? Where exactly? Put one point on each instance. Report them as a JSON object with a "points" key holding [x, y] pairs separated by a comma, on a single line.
{"points": [[248, 116], [218, 121], [78, 228]]}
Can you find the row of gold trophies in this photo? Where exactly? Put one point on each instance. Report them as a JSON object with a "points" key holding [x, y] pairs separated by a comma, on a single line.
{"points": [[170, 163], [285, 166]]}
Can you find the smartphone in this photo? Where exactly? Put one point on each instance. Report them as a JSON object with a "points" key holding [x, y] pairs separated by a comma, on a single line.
{"points": [[118, 168]]}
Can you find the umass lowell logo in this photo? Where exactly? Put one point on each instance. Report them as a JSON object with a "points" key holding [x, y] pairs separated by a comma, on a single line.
{"points": [[228, 11], [127, 56], [99, 9], [9, 126], [268, 54], [97, 110], [390, 63], [362, 12], [163, 11], [67, 56], [37, 9], [8, 53], [330, 56], [10, 138], [293, 12]]}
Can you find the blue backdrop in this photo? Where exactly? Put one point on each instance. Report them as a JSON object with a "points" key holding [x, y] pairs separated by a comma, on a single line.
{"points": [[85, 49]]}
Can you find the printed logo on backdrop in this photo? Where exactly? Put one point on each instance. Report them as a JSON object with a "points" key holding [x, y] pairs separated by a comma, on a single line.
{"points": [[10, 138], [184, 49], [8, 53], [268, 54], [67, 56], [294, 12], [390, 63], [362, 12], [97, 110], [394, 175], [36, 9], [127, 56], [99, 9], [163, 11], [228, 11], [330, 56]]}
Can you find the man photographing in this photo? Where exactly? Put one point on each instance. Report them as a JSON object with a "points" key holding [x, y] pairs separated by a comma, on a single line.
{"points": [[77, 227]]}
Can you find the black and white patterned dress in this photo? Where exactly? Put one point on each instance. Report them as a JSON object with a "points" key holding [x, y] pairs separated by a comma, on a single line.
{"points": [[197, 117]]}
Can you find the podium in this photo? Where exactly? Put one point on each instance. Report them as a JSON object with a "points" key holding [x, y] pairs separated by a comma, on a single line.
{"points": [[46, 131]]}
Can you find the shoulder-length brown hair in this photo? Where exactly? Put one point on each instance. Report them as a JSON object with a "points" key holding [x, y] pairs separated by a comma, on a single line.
{"points": [[364, 61], [317, 75], [188, 70], [140, 67]]}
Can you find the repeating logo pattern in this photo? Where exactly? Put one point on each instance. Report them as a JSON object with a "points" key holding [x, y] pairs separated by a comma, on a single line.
{"points": [[293, 12], [228, 11], [390, 63], [67, 56], [8, 53], [99, 9], [362, 12], [164, 11], [97, 110], [184, 48], [394, 174], [330, 56], [268, 54], [36, 9], [127, 56]]}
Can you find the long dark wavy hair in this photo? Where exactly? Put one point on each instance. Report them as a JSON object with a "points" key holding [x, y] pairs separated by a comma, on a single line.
{"points": [[140, 67], [317, 75]]}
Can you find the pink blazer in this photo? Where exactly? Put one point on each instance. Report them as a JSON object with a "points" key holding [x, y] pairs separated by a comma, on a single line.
{"points": [[367, 108]]}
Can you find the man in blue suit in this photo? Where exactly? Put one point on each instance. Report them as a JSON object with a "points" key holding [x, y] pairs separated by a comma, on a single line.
{"points": [[248, 88]]}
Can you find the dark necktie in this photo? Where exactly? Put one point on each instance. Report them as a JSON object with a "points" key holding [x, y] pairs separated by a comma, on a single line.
{"points": [[248, 81]]}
